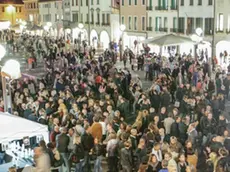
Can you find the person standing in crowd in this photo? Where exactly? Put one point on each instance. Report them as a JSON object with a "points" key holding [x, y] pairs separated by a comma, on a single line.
{"points": [[42, 160], [62, 142]]}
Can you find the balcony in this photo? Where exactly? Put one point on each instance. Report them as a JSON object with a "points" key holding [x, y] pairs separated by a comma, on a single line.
{"points": [[87, 22], [160, 8], [149, 28], [174, 30], [98, 23], [92, 22], [163, 29], [149, 8]]}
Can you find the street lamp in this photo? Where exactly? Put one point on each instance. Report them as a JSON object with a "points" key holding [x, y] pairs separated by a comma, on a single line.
{"points": [[122, 28], [80, 26], [11, 10], [9, 72]]}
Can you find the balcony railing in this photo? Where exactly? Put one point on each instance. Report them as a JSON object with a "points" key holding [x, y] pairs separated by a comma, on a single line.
{"points": [[161, 8], [149, 8], [173, 30], [163, 29], [149, 28]]}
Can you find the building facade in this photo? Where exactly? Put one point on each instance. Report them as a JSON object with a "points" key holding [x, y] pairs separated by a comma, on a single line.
{"points": [[162, 17], [222, 27], [133, 15], [99, 18], [51, 15], [12, 11], [32, 11]]}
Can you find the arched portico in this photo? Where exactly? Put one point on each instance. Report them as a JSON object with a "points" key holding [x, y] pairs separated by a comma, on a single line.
{"points": [[104, 39]]}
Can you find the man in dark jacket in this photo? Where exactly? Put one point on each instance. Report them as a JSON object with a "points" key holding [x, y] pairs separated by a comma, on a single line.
{"points": [[165, 98], [62, 142], [175, 127], [88, 143], [126, 158]]}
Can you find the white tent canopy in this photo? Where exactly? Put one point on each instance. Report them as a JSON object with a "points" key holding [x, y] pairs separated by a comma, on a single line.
{"points": [[15, 128], [168, 40]]}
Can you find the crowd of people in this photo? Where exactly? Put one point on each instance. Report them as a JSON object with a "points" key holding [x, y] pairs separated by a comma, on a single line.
{"points": [[97, 113]]}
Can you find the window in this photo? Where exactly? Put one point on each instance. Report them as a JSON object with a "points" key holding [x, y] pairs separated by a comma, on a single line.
{"points": [[122, 20], [209, 25], [143, 2], [123, 2], [87, 18], [92, 17], [228, 29], [130, 23], [108, 18], [81, 18], [150, 21], [47, 17], [98, 2], [174, 22], [191, 2], [199, 2], [165, 22], [72, 3], [92, 2], [75, 17], [3, 9], [221, 22], [98, 17], [76, 2], [103, 18], [135, 2], [81, 3], [87, 2], [143, 23], [20, 9], [130, 2], [157, 24], [209, 2], [199, 22], [135, 23], [182, 3]]}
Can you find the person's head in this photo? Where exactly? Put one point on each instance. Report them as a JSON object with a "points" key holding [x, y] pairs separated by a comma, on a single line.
{"points": [[168, 156], [164, 163], [96, 119], [162, 131], [173, 140], [182, 157], [157, 146], [153, 159], [172, 168], [188, 144], [71, 132], [50, 146], [12, 169], [163, 110], [63, 130], [127, 144]]}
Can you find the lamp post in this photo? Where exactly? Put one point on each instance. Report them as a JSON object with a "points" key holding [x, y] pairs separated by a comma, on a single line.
{"points": [[80, 26], [122, 28], [11, 10], [198, 38], [9, 72]]}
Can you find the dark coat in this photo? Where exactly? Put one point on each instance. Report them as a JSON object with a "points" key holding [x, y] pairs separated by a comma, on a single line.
{"points": [[62, 142], [175, 130], [126, 158], [87, 142]]}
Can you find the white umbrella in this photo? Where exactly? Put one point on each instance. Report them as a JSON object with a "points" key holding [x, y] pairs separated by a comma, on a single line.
{"points": [[169, 39]]}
